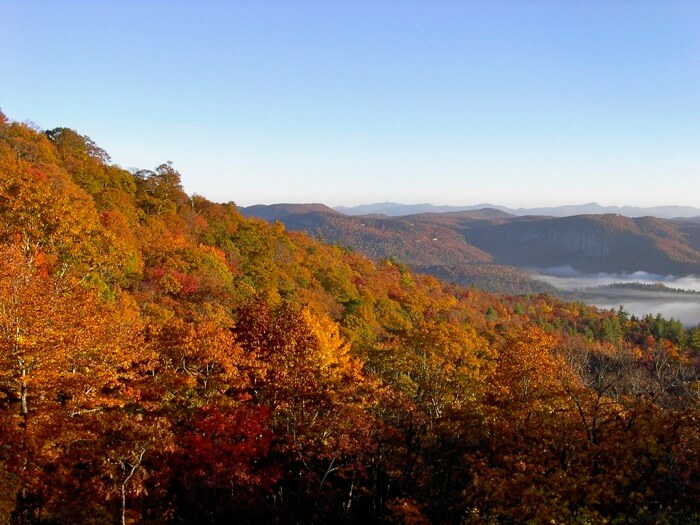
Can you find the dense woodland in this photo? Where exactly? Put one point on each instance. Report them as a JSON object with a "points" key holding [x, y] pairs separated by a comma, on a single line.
{"points": [[496, 251], [165, 360], [423, 243]]}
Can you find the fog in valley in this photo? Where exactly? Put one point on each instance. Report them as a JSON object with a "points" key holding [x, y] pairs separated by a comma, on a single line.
{"points": [[686, 311], [594, 289]]}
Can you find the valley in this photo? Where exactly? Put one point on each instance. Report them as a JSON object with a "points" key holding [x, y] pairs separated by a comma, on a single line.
{"points": [[164, 358], [639, 294], [497, 251], [517, 345]]}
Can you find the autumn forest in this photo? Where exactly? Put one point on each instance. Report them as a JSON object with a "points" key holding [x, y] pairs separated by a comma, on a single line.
{"points": [[164, 359]]}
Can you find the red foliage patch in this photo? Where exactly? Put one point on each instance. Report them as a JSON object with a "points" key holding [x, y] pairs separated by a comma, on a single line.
{"points": [[226, 445], [38, 174]]}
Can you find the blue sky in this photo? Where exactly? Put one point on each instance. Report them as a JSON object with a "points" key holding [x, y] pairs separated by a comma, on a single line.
{"points": [[349, 102]]}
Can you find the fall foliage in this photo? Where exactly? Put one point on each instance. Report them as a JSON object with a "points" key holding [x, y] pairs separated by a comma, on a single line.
{"points": [[165, 360]]}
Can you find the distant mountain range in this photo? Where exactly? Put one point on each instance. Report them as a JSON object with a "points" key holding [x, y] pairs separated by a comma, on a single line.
{"points": [[393, 209], [494, 249]]}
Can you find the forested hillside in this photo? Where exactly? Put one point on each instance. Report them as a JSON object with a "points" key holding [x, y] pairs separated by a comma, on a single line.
{"points": [[428, 243], [593, 243], [491, 249], [165, 360]]}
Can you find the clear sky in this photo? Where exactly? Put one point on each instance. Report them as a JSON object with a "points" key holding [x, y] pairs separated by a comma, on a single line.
{"points": [[348, 102]]}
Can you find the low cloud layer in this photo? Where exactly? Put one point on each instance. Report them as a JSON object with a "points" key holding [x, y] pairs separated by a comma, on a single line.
{"points": [[687, 312], [568, 279], [685, 308]]}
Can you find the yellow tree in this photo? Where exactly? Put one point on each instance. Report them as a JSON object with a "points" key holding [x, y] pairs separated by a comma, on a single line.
{"points": [[63, 356], [41, 206], [521, 472], [319, 399]]}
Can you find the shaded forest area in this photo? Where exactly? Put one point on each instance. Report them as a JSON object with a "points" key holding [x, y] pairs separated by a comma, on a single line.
{"points": [[165, 360]]}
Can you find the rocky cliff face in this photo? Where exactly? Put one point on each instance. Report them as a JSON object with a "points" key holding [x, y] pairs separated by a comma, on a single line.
{"points": [[576, 243]]}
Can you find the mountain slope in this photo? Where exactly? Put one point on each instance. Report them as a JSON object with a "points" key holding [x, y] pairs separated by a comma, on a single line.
{"points": [[410, 241], [591, 243], [446, 244], [165, 360], [277, 211], [430, 243]]}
